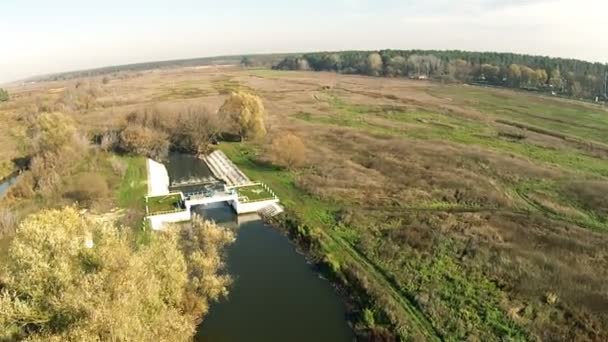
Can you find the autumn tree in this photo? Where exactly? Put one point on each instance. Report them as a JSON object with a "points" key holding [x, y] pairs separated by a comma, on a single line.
{"points": [[51, 141], [514, 74], [68, 278], [555, 80], [374, 64], [246, 114], [195, 129], [49, 132], [144, 141], [287, 150]]}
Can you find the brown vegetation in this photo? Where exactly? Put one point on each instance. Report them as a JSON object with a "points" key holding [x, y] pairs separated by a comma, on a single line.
{"points": [[70, 278], [287, 150], [88, 188], [479, 224]]}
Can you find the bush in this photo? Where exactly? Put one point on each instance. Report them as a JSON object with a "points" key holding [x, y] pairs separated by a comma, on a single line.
{"points": [[3, 95], [144, 141], [288, 151], [88, 188]]}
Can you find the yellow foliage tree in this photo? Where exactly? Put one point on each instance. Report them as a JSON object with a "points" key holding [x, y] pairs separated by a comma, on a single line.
{"points": [[68, 278], [246, 114]]}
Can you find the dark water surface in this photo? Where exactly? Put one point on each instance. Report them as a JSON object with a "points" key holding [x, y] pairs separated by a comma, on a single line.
{"points": [[276, 295], [181, 166]]}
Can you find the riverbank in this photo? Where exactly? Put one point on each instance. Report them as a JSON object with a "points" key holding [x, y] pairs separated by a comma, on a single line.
{"points": [[377, 308]]}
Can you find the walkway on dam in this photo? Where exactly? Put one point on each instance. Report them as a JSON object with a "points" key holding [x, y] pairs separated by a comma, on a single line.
{"points": [[223, 168]]}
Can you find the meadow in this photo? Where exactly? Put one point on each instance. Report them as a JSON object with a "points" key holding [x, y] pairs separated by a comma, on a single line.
{"points": [[449, 212]]}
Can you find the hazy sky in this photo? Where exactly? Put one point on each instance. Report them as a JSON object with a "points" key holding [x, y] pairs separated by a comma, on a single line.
{"points": [[47, 36]]}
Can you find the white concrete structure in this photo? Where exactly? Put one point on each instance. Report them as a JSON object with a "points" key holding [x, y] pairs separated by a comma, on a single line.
{"points": [[158, 221], [252, 207], [216, 198], [222, 168], [158, 179]]}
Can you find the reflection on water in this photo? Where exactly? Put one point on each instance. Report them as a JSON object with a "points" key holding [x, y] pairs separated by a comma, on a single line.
{"points": [[276, 296]]}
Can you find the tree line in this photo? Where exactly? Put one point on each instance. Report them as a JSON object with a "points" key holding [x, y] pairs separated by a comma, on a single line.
{"points": [[560, 76]]}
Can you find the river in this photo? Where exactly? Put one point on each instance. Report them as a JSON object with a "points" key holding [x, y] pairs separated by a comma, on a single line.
{"points": [[276, 294]]}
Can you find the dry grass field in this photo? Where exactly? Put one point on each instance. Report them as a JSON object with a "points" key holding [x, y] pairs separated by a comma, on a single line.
{"points": [[464, 212]]}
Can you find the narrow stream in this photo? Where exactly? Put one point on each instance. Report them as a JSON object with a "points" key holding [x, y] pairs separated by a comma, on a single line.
{"points": [[6, 183], [276, 294]]}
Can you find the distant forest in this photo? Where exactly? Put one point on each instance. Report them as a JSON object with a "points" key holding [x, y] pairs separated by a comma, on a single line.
{"points": [[559, 76], [266, 60]]}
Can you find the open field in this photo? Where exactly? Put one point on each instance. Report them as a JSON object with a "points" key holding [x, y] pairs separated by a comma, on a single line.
{"points": [[464, 212]]}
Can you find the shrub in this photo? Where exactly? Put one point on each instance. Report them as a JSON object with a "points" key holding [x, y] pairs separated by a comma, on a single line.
{"points": [[288, 151], [3, 95], [144, 141]]}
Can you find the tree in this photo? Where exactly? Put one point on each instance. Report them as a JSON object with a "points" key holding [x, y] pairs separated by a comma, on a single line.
{"points": [[144, 141], [397, 66], [514, 74], [374, 64], [490, 72], [69, 278], [196, 128], [3, 95], [246, 62], [541, 77], [303, 64], [556, 79], [47, 133], [246, 114], [288, 151]]}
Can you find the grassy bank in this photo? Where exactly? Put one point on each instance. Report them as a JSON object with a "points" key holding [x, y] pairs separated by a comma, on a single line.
{"points": [[383, 302]]}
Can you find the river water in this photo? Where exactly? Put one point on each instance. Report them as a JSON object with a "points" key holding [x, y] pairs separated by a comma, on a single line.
{"points": [[276, 294]]}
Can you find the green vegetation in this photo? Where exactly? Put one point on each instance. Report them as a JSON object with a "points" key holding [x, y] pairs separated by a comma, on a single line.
{"points": [[164, 204], [253, 193], [564, 76], [446, 212], [3, 95], [474, 297], [133, 187]]}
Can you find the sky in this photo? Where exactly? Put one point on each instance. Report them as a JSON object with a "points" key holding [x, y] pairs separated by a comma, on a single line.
{"points": [[43, 36]]}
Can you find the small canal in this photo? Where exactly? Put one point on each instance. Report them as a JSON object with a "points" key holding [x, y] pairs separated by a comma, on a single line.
{"points": [[276, 294], [6, 183]]}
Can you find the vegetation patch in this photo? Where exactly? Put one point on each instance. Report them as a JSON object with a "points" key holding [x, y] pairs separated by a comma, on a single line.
{"points": [[254, 193], [164, 204]]}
